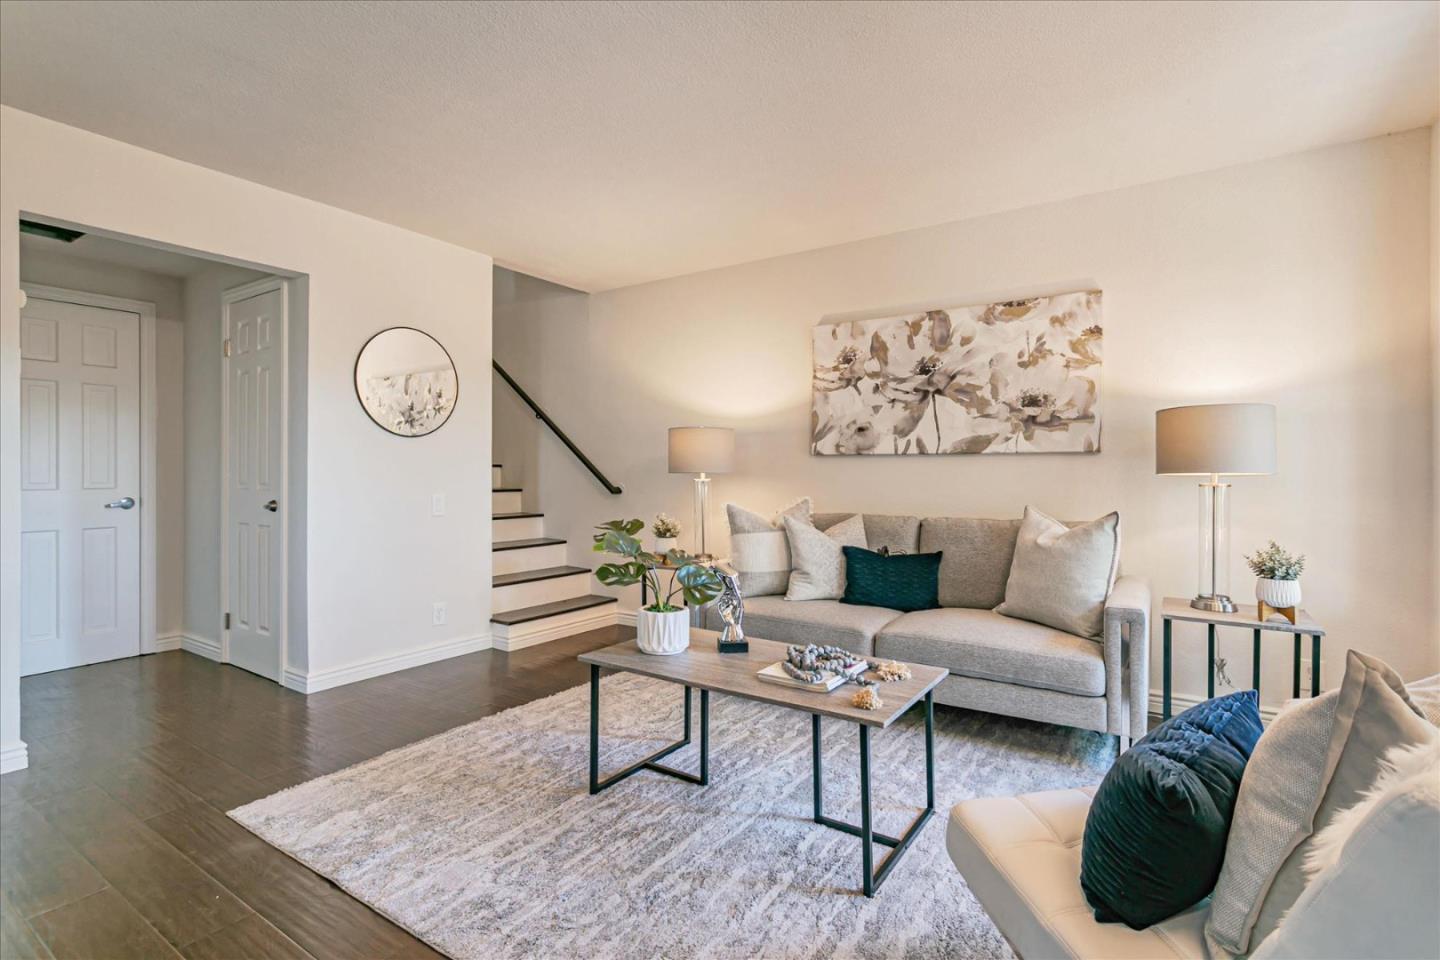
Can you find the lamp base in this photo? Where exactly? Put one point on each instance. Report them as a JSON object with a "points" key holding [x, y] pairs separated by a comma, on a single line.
{"points": [[1215, 603]]}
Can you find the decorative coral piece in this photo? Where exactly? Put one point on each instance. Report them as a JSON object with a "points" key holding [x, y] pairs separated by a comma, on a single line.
{"points": [[866, 698], [890, 670]]}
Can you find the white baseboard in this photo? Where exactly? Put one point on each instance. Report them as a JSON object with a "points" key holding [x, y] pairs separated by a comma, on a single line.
{"points": [[1180, 702], [625, 618], [314, 682], [518, 637], [171, 642], [201, 646], [14, 756]]}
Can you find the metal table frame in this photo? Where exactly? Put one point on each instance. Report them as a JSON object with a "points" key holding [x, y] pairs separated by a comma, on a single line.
{"points": [[872, 876], [1210, 629]]}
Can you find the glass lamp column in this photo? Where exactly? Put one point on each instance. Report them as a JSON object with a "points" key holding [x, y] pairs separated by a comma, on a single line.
{"points": [[702, 512], [1214, 593]]}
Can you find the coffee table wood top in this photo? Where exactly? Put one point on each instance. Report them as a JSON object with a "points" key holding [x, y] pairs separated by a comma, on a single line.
{"points": [[705, 668], [1245, 615]]}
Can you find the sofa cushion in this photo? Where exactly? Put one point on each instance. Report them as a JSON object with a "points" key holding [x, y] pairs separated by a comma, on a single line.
{"points": [[905, 581], [976, 561], [982, 643], [892, 533], [1061, 574], [759, 549], [817, 565], [811, 621], [1020, 856], [1156, 832]]}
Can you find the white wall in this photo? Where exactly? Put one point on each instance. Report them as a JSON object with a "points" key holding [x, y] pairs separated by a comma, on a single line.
{"points": [[376, 558], [525, 307], [1301, 281], [57, 269]]}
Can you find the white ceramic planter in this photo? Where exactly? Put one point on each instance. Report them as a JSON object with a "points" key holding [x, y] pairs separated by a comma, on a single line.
{"points": [[1277, 593], [664, 545], [662, 634]]}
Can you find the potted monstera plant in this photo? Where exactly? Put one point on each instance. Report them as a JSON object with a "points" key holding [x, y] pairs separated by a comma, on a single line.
{"points": [[662, 627]]}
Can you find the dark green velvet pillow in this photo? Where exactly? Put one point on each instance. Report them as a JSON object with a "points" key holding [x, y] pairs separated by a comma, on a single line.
{"points": [[907, 582]]}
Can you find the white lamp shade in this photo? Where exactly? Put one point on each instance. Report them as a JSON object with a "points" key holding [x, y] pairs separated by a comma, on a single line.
{"points": [[1218, 438], [702, 450]]}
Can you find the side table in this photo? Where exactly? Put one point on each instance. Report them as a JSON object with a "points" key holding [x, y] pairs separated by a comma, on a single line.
{"points": [[1175, 608]]}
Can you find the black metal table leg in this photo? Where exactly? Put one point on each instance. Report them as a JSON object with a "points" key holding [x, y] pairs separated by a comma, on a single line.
{"points": [[652, 761], [1315, 665], [1210, 674], [1255, 663], [873, 877], [1165, 706], [817, 780], [1295, 694], [867, 839]]}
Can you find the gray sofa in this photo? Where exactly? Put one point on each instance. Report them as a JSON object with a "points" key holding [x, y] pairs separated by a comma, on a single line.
{"points": [[997, 664]]}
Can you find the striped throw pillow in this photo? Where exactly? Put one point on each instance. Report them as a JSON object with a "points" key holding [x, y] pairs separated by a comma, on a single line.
{"points": [[759, 549]]}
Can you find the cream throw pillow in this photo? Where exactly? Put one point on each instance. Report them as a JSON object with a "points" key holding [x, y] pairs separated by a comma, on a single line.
{"points": [[817, 560], [1316, 758], [759, 549], [1060, 576], [1375, 871]]}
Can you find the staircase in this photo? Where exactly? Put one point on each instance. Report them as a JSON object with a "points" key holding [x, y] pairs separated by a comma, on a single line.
{"points": [[535, 596]]}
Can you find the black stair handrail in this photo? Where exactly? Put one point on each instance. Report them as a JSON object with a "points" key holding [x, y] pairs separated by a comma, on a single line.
{"points": [[544, 418]]}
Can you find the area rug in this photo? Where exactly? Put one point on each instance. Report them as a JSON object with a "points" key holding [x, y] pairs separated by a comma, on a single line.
{"points": [[484, 842]]}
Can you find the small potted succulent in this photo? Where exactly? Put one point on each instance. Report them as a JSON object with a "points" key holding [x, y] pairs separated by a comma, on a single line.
{"points": [[1277, 575], [667, 533], [662, 627]]}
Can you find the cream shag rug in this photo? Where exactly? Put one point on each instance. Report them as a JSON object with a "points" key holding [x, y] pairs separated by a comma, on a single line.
{"points": [[484, 842]]}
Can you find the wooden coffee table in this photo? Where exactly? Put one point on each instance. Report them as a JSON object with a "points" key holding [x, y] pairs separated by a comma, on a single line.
{"points": [[702, 668]]}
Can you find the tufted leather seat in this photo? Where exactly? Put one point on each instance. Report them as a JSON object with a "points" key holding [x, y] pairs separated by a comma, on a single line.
{"points": [[1021, 858]]}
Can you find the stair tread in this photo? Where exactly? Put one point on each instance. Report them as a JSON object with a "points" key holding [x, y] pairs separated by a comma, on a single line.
{"points": [[530, 576], [514, 516], [507, 489], [526, 543], [555, 607]]}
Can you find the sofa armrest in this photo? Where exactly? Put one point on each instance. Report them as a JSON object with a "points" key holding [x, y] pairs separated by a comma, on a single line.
{"points": [[1127, 656]]}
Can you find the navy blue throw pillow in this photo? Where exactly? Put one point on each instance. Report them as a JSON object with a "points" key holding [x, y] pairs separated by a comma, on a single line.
{"points": [[1155, 835], [901, 582]]}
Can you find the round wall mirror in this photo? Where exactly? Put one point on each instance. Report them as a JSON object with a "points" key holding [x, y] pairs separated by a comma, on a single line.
{"points": [[406, 381]]}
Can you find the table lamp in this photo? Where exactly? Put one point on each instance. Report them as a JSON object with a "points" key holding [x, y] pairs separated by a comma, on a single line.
{"points": [[1215, 440], [702, 451]]}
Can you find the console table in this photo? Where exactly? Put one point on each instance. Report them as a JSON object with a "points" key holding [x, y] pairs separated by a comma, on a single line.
{"points": [[1175, 608]]}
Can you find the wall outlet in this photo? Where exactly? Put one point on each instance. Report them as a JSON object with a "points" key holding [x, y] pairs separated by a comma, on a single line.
{"points": [[437, 504], [1305, 667], [437, 614]]}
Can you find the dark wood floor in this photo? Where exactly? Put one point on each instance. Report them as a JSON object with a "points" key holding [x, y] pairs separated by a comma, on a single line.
{"points": [[114, 843]]}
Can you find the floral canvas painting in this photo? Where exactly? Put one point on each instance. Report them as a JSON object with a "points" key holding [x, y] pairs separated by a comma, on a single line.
{"points": [[1020, 376]]}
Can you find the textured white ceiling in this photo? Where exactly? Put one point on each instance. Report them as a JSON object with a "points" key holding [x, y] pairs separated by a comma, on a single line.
{"points": [[604, 144]]}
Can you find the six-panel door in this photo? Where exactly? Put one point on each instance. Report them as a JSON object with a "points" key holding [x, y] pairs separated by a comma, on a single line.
{"points": [[79, 452], [256, 330]]}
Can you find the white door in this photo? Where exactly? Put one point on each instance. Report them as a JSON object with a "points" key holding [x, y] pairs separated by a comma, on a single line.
{"points": [[255, 426], [80, 485]]}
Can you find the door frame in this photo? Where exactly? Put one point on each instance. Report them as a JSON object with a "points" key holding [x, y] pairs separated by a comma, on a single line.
{"points": [[149, 640], [227, 298]]}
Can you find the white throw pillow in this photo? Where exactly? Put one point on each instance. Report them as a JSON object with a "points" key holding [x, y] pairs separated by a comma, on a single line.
{"points": [[1060, 576], [1425, 694], [759, 549], [1377, 869], [817, 558], [1317, 758]]}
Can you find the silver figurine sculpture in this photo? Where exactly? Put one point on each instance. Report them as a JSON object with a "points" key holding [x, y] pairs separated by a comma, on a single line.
{"points": [[731, 606]]}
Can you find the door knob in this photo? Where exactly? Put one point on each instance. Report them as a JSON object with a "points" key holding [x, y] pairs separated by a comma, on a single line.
{"points": [[272, 506], [124, 503]]}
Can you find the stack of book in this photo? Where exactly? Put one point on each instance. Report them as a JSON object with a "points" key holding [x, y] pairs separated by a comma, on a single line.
{"points": [[775, 673]]}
